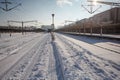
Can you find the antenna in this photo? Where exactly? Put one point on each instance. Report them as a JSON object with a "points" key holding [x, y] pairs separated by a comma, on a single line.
{"points": [[6, 3]]}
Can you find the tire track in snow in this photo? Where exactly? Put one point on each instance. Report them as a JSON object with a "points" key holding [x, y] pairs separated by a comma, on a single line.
{"points": [[59, 64], [52, 68]]}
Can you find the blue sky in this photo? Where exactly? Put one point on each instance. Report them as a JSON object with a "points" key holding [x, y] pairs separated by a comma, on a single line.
{"points": [[41, 10]]}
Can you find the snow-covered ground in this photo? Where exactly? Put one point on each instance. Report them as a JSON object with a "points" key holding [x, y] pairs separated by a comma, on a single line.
{"points": [[35, 56], [85, 61]]}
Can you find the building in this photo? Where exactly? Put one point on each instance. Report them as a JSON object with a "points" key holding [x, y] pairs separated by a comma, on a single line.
{"points": [[47, 27], [111, 16], [107, 22]]}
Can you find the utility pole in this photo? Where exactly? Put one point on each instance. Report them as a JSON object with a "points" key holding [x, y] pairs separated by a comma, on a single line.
{"points": [[0, 34], [6, 3], [91, 5], [22, 22], [9, 28], [91, 11], [116, 4], [84, 21]]}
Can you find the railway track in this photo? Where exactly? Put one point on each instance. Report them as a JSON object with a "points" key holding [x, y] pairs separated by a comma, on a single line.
{"points": [[113, 44], [35, 58], [13, 48], [107, 49], [103, 47], [88, 64], [13, 38], [23, 62], [13, 41]]}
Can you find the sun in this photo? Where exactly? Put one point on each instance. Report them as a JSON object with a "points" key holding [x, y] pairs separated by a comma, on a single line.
{"points": [[95, 2]]}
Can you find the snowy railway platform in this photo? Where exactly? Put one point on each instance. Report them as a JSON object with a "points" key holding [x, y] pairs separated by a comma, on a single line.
{"points": [[106, 36], [35, 56]]}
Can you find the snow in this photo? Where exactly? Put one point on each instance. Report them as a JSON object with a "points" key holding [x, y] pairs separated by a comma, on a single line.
{"points": [[83, 61], [10, 60], [35, 56], [10, 45], [90, 45]]}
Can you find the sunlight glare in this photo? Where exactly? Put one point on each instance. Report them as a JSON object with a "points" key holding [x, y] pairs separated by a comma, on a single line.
{"points": [[95, 2]]}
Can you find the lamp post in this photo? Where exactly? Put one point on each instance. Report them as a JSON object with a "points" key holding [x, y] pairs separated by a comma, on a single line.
{"points": [[53, 20]]}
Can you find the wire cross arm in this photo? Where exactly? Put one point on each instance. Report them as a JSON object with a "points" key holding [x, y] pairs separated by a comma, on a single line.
{"points": [[7, 3], [14, 7], [14, 21], [30, 21], [97, 9], [91, 11]]}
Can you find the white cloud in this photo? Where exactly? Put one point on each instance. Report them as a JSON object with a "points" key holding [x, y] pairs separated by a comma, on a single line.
{"points": [[64, 2]]}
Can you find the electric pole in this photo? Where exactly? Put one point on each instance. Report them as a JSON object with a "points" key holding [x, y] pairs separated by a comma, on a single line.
{"points": [[91, 11], [116, 4]]}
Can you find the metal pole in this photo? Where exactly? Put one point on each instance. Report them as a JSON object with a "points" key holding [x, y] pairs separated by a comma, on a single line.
{"points": [[0, 34], [10, 30], [79, 28], [84, 26], [100, 30], [91, 8], [6, 5], [22, 27], [91, 27]]}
